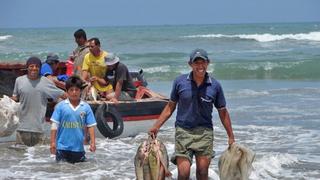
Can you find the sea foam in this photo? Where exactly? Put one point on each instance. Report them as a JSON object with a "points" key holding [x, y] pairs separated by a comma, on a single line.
{"points": [[272, 164], [266, 37], [2, 38]]}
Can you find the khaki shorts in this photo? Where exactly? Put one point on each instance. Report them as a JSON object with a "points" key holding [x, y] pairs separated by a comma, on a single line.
{"points": [[189, 142], [30, 138]]}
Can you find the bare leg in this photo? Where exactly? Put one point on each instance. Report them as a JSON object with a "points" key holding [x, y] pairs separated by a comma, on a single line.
{"points": [[203, 163], [183, 168]]}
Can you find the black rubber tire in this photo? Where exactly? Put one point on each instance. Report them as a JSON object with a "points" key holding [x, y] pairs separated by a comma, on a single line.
{"points": [[102, 113]]}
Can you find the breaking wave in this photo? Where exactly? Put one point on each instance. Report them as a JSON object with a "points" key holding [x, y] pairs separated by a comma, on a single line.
{"points": [[311, 36], [2, 38]]}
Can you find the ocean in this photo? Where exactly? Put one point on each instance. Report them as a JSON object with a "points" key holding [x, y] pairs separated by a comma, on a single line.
{"points": [[270, 74]]}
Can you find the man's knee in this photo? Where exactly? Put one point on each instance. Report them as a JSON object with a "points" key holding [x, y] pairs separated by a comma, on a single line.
{"points": [[202, 172], [183, 164], [183, 174]]}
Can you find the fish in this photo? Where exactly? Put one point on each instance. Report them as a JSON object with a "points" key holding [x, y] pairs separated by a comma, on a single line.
{"points": [[9, 120], [235, 163], [89, 93], [151, 160], [93, 93]]}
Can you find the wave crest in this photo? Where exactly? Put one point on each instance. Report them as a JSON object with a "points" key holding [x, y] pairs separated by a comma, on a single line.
{"points": [[3, 38], [266, 37]]}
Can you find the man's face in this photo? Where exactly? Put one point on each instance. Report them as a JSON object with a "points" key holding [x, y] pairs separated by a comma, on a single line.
{"points": [[55, 66], [94, 49], [33, 71], [80, 41], [111, 67], [199, 67]]}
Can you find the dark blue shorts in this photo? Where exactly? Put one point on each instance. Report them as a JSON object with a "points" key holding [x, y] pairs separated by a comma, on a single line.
{"points": [[70, 156]]}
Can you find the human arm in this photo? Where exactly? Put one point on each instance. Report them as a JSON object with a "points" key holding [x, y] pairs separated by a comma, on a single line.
{"points": [[90, 122], [164, 116], [85, 75], [225, 120], [53, 136], [15, 95], [55, 80], [117, 91], [101, 81], [92, 139], [85, 68]]}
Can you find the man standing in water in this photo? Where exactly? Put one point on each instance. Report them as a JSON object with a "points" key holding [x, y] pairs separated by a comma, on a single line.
{"points": [[79, 53], [195, 93], [33, 92]]}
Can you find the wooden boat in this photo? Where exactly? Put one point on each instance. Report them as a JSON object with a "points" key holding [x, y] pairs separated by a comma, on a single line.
{"points": [[127, 118]]}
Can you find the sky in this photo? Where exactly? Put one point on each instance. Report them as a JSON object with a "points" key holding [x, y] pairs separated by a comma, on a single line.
{"points": [[75, 13]]}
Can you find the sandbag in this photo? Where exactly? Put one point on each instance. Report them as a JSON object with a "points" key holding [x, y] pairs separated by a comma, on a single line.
{"points": [[235, 163], [9, 119]]}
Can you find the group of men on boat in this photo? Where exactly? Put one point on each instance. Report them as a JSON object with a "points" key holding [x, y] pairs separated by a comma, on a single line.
{"points": [[102, 71]]}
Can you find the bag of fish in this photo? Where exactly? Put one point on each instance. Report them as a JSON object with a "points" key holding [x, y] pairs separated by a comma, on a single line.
{"points": [[151, 160]]}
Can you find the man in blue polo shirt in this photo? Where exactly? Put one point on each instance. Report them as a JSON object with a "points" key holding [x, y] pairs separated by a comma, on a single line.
{"points": [[195, 93], [50, 66]]}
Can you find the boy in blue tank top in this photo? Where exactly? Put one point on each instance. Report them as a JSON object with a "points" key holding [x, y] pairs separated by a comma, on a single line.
{"points": [[69, 120]]}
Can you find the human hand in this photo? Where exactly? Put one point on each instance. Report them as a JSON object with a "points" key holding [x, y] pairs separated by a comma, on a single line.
{"points": [[53, 148], [114, 100], [93, 78], [231, 141], [92, 147], [153, 131]]}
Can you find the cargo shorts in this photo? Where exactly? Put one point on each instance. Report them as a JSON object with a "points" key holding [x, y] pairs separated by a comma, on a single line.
{"points": [[190, 142]]}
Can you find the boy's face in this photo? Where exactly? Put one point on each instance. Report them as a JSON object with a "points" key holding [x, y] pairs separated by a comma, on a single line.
{"points": [[74, 93]]}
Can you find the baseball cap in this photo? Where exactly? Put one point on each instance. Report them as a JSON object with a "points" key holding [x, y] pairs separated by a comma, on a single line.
{"points": [[52, 58], [198, 53], [111, 59]]}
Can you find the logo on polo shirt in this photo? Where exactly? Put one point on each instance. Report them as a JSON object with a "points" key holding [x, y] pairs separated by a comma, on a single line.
{"points": [[82, 115], [206, 100]]}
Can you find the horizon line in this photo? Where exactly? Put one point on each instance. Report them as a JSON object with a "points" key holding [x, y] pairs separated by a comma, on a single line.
{"points": [[156, 25]]}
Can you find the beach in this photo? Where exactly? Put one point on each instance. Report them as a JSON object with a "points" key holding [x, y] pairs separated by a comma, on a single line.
{"points": [[269, 74]]}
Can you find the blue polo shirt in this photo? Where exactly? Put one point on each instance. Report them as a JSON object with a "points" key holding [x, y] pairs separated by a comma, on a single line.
{"points": [[71, 123], [195, 103], [46, 70]]}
